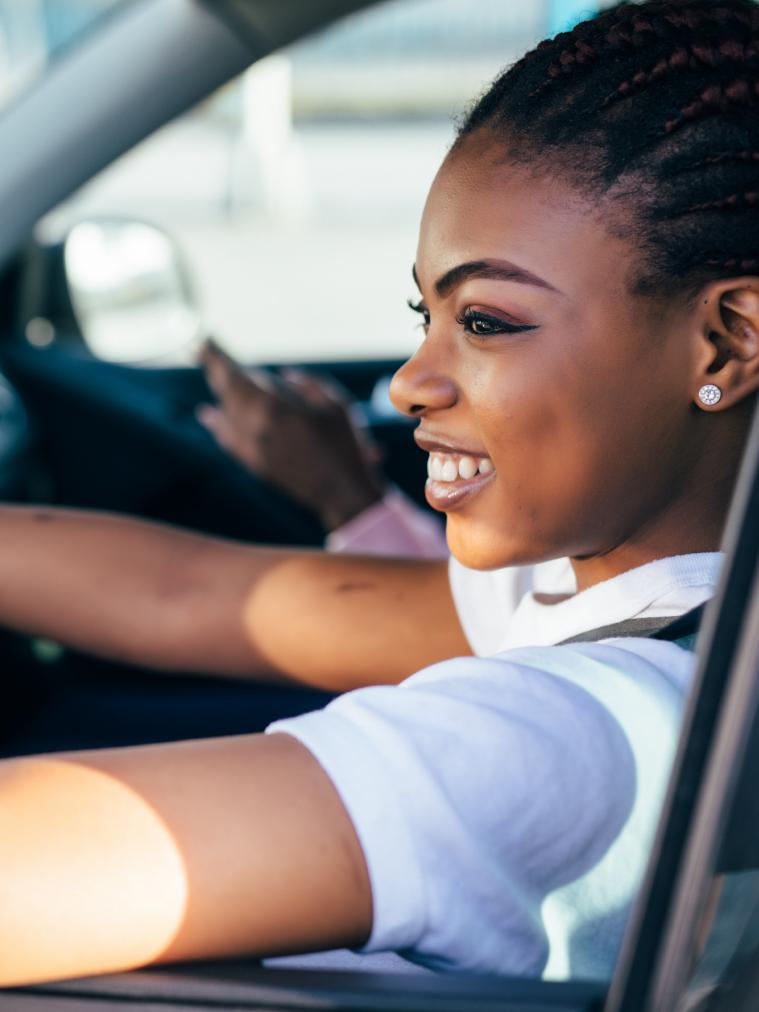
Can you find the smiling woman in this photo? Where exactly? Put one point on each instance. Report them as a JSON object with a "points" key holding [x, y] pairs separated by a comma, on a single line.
{"points": [[589, 277], [531, 372]]}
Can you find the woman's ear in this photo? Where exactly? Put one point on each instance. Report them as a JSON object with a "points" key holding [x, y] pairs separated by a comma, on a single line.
{"points": [[728, 321]]}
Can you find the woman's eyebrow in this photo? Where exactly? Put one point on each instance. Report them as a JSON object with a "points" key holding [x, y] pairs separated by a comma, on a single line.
{"points": [[494, 270]]}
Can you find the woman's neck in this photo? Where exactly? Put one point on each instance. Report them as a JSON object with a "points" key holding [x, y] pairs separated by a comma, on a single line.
{"points": [[690, 522]]}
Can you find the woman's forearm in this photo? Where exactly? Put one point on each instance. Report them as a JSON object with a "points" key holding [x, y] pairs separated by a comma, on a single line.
{"points": [[122, 588], [164, 598], [122, 857]]}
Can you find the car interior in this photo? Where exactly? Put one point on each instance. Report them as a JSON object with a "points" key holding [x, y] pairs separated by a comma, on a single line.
{"points": [[83, 430]]}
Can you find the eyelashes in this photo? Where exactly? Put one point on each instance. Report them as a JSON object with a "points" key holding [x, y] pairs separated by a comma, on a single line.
{"points": [[419, 307], [475, 322]]}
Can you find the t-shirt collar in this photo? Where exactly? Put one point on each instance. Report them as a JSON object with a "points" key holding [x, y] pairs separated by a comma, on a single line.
{"points": [[663, 587]]}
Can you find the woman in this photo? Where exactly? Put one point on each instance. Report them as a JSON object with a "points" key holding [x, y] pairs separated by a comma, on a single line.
{"points": [[588, 269]]}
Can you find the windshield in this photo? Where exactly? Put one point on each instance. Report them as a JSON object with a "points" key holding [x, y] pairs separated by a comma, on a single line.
{"points": [[34, 32], [318, 157]]}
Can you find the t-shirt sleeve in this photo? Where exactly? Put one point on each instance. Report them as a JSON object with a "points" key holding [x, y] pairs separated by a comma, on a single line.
{"points": [[476, 788]]}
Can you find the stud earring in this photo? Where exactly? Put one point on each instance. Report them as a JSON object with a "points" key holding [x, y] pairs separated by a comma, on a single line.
{"points": [[710, 394]]}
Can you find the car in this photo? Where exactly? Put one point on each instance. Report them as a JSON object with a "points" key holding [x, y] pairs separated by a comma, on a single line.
{"points": [[88, 418]]}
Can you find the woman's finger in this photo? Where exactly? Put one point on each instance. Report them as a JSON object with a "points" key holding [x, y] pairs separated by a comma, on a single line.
{"points": [[244, 394], [215, 421], [217, 368], [309, 388], [240, 445]]}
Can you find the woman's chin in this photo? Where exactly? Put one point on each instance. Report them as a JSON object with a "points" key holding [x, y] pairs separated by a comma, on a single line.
{"points": [[476, 546]]}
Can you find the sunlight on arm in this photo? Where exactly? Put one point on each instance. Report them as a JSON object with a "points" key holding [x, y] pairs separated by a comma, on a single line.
{"points": [[340, 622], [162, 853], [91, 878]]}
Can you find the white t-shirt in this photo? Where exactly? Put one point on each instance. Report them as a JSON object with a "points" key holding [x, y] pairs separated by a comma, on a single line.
{"points": [[505, 805]]}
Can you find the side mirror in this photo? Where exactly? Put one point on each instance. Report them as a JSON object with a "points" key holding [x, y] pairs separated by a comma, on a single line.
{"points": [[130, 292]]}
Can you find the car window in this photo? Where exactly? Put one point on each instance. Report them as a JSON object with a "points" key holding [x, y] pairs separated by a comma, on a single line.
{"points": [[730, 943], [294, 193], [725, 957], [33, 33]]}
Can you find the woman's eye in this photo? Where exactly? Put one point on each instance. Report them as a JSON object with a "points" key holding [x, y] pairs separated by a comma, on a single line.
{"points": [[480, 325], [419, 307], [484, 325]]}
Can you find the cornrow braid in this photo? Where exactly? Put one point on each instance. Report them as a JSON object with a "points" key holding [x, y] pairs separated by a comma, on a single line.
{"points": [[716, 98], [655, 105], [582, 47], [635, 30], [686, 57], [733, 264], [721, 158], [736, 201]]}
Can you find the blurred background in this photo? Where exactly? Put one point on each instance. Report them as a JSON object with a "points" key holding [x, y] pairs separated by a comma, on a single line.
{"points": [[294, 193]]}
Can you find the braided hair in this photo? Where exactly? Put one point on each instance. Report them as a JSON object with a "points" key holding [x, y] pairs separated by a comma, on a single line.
{"points": [[654, 108]]}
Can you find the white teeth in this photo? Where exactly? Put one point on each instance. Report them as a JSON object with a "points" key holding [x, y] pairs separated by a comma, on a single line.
{"points": [[445, 467], [467, 467], [450, 471]]}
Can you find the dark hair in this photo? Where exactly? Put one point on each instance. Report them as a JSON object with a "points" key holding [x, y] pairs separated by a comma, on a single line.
{"points": [[654, 105]]}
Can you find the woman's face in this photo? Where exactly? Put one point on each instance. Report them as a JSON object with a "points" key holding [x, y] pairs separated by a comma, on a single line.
{"points": [[569, 397]]}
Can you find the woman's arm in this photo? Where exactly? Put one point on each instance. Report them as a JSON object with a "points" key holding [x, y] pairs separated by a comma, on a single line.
{"points": [[164, 598], [118, 858]]}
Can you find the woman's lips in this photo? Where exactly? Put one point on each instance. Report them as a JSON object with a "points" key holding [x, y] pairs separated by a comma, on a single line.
{"points": [[455, 478]]}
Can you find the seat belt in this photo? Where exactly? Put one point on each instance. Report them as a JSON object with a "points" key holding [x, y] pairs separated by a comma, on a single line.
{"points": [[681, 630]]}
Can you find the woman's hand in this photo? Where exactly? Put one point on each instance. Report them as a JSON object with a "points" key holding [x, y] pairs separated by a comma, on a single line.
{"points": [[294, 431]]}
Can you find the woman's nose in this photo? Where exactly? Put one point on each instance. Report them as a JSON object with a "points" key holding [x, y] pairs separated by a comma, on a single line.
{"points": [[417, 387]]}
